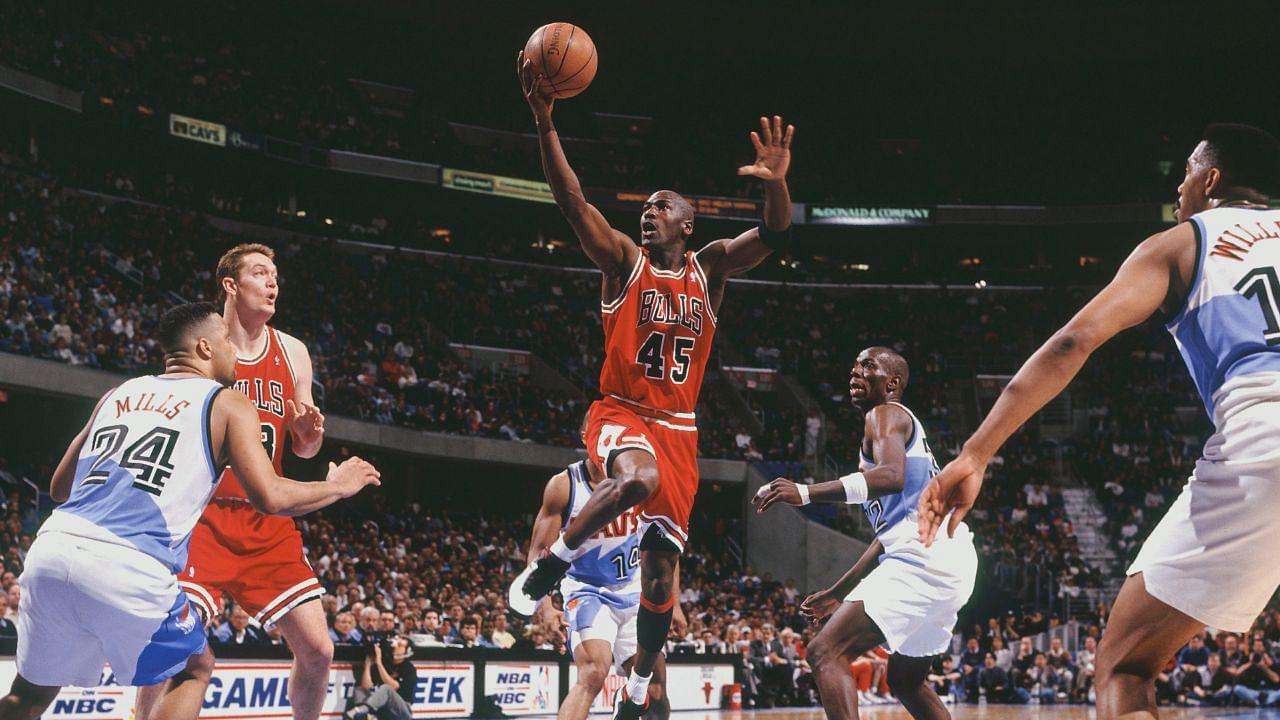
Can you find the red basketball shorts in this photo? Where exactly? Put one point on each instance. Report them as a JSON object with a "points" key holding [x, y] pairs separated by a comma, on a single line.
{"points": [[257, 559], [614, 426]]}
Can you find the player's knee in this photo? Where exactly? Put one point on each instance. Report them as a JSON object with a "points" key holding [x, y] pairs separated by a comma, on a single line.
{"points": [[638, 480], [201, 666], [315, 652], [592, 677]]}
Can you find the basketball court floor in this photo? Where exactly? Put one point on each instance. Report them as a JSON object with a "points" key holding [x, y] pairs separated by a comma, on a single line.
{"points": [[977, 712]]}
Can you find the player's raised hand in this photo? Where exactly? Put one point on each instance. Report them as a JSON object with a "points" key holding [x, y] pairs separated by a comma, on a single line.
{"points": [[531, 84], [305, 421], [773, 150], [352, 475], [781, 490], [954, 491], [818, 606]]}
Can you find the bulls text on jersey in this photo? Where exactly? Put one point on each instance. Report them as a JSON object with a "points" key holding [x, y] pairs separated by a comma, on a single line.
{"points": [[662, 309]]}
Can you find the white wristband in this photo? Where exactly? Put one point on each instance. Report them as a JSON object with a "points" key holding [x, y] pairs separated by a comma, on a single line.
{"points": [[804, 493], [855, 488]]}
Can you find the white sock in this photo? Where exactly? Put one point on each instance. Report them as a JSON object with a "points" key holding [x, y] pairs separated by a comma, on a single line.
{"points": [[638, 687], [562, 551]]}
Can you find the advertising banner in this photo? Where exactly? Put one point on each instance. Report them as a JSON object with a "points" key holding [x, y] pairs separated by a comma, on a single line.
{"points": [[690, 687], [260, 689], [863, 215], [524, 688], [189, 128], [703, 205], [498, 185]]}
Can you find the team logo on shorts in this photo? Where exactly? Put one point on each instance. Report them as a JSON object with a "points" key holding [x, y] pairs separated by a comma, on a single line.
{"points": [[186, 621]]}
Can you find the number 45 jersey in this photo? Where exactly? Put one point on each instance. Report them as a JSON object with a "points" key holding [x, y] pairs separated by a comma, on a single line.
{"points": [[146, 470], [1229, 328]]}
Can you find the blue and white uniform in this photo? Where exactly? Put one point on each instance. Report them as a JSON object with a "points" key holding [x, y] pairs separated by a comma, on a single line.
{"points": [[99, 579], [602, 587], [1203, 557], [915, 592]]}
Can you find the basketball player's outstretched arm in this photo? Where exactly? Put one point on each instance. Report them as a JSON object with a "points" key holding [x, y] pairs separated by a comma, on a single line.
{"points": [[238, 436], [546, 528], [887, 428], [611, 251], [734, 256], [1139, 288]]}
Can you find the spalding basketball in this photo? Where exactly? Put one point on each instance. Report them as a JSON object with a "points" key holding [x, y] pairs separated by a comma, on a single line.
{"points": [[564, 56]]}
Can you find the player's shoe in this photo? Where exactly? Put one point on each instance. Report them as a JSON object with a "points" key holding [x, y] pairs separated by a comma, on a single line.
{"points": [[534, 583], [624, 709]]}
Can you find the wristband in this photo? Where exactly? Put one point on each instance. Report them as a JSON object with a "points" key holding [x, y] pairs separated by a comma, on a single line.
{"points": [[804, 493], [855, 488], [779, 240]]}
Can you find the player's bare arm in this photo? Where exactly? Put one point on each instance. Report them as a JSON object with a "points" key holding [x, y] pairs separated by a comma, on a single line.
{"points": [[64, 476], [237, 435], [821, 604], [611, 251], [305, 421], [1155, 275], [546, 527], [722, 259], [887, 428]]}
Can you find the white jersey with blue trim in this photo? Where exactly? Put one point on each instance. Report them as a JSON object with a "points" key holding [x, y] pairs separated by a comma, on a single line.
{"points": [[146, 470], [609, 564], [1228, 330], [894, 517]]}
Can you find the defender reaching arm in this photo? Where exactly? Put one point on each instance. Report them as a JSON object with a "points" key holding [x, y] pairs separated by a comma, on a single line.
{"points": [[1150, 278]]}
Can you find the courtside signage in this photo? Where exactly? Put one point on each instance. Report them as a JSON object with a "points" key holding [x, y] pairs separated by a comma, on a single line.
{"points": [[189, 128], [863, 215], [498, 185], [523, 688]]}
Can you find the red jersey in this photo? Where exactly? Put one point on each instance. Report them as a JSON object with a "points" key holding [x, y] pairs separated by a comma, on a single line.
{"points": [[268, 381], [657, 338]]}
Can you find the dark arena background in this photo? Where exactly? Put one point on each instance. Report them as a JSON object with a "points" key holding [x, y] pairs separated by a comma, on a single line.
{"points": [[963, 181]]}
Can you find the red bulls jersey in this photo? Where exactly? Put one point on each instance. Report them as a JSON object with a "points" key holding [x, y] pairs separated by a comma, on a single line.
{"points": [[268, 380], [657, 338]]}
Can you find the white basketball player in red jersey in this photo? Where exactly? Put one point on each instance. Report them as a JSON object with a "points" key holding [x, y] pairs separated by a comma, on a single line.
{"points": [[258, 559], [659, 304]]}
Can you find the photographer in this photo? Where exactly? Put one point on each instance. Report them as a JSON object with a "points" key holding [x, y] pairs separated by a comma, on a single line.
{"points": [[392, 697]]}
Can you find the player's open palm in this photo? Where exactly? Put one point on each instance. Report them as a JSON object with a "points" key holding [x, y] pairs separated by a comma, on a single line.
{"points": [[819, 606], [352, 475], [953, 491], [305, 421], [773, 150]]}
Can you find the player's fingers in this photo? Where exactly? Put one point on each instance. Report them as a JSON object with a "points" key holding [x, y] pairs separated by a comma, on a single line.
{"points": [[756, 142], [777, 129], [786, 139], [956, 516], [766, 133]]}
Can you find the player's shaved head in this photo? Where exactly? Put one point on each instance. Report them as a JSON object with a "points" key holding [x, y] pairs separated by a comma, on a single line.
{"points": [[893, 364], [180, 325], [685, 207]]}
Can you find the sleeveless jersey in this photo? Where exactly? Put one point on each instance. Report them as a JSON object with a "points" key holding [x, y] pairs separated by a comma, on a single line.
{"points": [[610, 559], [146, 470], [268, 381], [657, 338], [1228, 330], [888, 512]]}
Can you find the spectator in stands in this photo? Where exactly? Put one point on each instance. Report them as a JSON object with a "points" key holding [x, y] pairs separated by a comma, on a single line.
{"points": [[469, 633], [391, 696], [501, 637], [1004, 656], [369, 618], [15, 599], [1215, 686], [8, 628], [1060, 658], [1023, 663], [1047, 683], [1192, 658], [237, 630], [344, 630], [945, 679], [995, 685], [971, 663], [1085, 661], [1257, 681]]}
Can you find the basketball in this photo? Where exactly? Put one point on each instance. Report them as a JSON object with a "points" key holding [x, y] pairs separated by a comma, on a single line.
{"points": [[565, 57]]}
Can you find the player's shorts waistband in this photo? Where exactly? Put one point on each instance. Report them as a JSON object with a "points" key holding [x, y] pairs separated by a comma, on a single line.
{"points": [[653, 412]]}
